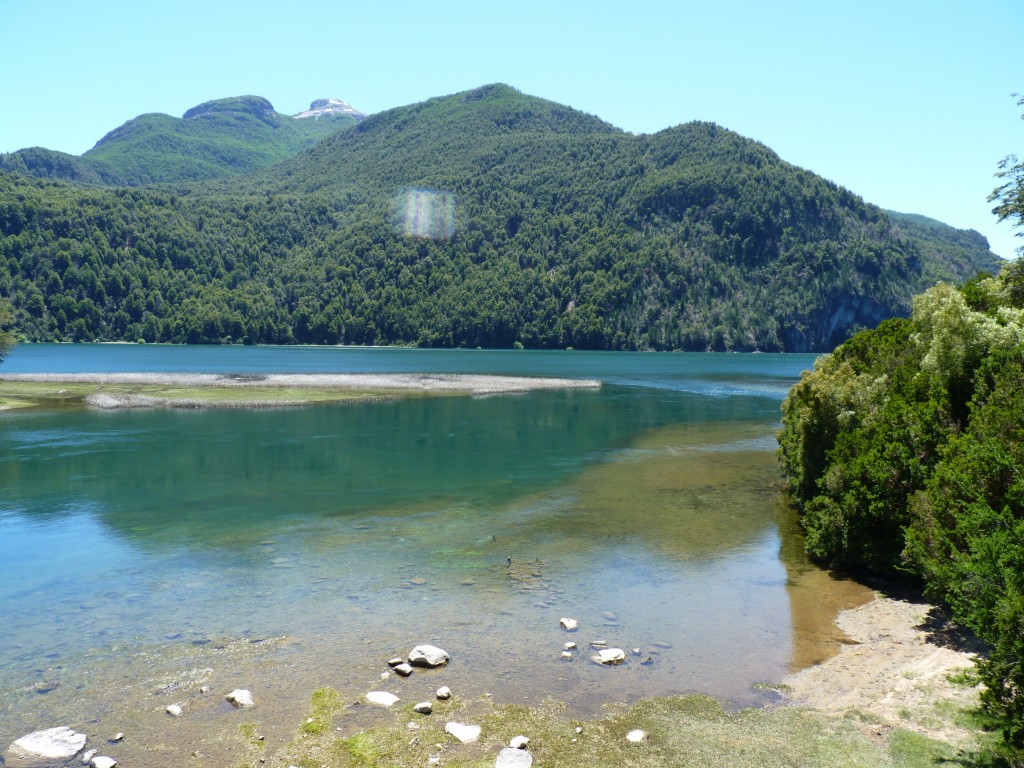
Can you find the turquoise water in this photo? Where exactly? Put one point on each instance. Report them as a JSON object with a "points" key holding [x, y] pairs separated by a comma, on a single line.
{"points": [[144, 551]]}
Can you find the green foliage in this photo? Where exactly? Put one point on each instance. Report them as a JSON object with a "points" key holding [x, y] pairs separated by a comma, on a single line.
{"points": [[905, 451], [7, 336], [1009, 196], [567, 232]]}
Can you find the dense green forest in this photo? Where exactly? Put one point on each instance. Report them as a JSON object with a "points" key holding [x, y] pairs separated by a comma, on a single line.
{"points": [[487, 218], [226, 137], [904, 450]]}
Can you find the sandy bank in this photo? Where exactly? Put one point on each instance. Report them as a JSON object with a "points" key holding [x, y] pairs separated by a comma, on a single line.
{"points": [[262, 390], [895, 669]]}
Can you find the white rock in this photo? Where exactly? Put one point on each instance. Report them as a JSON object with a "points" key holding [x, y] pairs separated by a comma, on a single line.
{"points": [[570, 646], [88, 755], [428, 656], [519, 742], [241, 698], [102, 761], [395, 661], [610, 656], [510, 757], [381, 698], [118, 737], [579, 729], [60, 742], [403, 669], [567, 655], [570, 625], [636, 736], [467, 734], [444, 692], [424, 708], [174, 709], [385, 675]]}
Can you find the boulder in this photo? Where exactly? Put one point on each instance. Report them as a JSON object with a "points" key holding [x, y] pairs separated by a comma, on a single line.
{"points": [[635, 737], [467, 734], [52, 743], [569, 625], [444, 693], [610, 656], [428, 656], [102, 761], [381, 698], [510, 757], [424, 708], [241, 698]]}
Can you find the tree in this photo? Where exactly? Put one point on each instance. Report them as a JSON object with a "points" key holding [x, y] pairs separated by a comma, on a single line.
{"points": [[1010, 194], [7, 337]]}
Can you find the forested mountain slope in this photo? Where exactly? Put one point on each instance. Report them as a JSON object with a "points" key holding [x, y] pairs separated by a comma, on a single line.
{"points": [[226, 137], [486, 218]]}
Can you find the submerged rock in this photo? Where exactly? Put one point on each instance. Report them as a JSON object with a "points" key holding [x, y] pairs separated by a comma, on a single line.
{"points": [[467, 734], [428, 656], [610, 656], [53, 743], [381, 698], [510, 757], [241, 698]]}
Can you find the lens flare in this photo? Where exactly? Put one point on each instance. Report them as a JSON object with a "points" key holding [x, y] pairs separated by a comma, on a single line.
{"points": [[426, 213]]}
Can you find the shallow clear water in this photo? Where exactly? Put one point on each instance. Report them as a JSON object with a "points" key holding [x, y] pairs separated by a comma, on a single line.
{"points": [[147, 552]]}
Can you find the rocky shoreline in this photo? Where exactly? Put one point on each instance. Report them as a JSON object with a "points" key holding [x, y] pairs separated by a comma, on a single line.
{"points": [[897, 673]]}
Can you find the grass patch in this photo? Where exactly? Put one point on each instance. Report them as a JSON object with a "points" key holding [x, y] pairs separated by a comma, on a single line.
{"points": [[326, 704]]}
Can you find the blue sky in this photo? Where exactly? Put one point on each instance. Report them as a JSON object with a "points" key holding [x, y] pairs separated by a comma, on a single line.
{"points": [[906, 103]]}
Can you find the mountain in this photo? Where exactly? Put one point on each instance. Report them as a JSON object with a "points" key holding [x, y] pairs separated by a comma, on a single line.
{"points": [[485, 218], [226, 137], [948, 254]]}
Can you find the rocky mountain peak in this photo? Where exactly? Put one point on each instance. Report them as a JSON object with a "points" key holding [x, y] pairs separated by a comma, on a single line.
{"points": [[329, 107]]}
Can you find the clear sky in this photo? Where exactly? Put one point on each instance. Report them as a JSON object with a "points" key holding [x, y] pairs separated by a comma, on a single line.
{"points": [[905, 102]]}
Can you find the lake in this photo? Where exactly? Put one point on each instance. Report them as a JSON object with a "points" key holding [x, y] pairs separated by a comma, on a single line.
{"points": [[147, 553]]}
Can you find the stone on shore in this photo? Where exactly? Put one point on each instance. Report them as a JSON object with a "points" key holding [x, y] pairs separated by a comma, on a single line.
{"points": [[241, 698], [102, 761], [423, 708], [510, 757], [610, 656], [88, 755], [569, 625], [444, 693], [174, 710], [381, 698], [519, 742], [428, 656], [467, 734], [53, 743], [636, 736]]}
